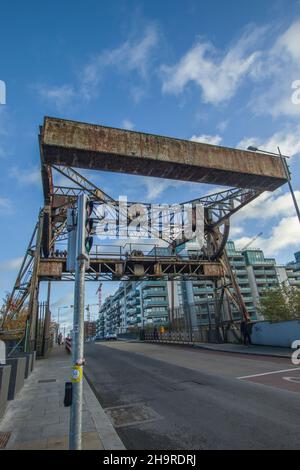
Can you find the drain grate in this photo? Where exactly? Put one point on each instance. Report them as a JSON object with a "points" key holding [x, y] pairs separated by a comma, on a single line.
{"points": [[4, 437], [45, 381], [128, 415]]}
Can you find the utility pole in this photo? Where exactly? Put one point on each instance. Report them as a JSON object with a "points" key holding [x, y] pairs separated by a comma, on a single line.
{"points": [[288, 176], [45, 345], [286, 171], [83, 247]]}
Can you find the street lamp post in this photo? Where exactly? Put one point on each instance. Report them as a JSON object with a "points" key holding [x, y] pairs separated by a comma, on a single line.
{"points": [[286, 171], [58, 312]]}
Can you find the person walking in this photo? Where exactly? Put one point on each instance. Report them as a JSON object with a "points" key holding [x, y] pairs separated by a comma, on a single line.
{"points": [[59, 339], [155, 334], [246, 330]]}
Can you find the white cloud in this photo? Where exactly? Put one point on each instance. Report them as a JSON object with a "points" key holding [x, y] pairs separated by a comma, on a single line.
{"points": [[5, 205], [207, 139], [11, 265], [236, 230], [285, 234], [60, 96], [134, 55], [288, 140], [217, 74], [3, 122], [277, 204], [275, 72], [65, 300], [127, 124], [155, 187], [6, 130], [290, 41], [31, 176], [279, 220], [222, 126]]}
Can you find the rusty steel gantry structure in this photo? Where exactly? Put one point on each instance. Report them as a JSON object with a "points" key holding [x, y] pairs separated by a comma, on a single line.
{"points": [[66, 145]]}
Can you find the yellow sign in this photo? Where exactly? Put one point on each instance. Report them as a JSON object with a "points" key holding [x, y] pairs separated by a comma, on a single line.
{"points": [[162, 329], [76, 373]]}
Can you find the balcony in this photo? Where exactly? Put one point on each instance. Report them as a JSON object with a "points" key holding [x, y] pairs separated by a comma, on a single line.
{"points": [[245, 290], [203, 290], [151, 301], [152, 292], [133, 311]]}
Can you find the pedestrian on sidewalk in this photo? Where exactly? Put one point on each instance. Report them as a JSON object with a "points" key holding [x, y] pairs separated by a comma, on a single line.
{"points": [[155, 334], [246, 329]]}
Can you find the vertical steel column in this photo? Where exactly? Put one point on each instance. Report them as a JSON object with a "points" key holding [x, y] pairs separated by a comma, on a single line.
{"points": [[288, 176], [45, 345], [78, 334], [77, 357], [34, 287]]}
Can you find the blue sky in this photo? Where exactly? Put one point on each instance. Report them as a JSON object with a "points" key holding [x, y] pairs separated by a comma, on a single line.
{"points": [[216, 71]]}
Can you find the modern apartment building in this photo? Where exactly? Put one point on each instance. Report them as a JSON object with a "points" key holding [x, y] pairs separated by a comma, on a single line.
{"points": [[90, 329], [292, 275], [238, 262], [137, 304], [201, 293], [142, 303], [262, 273]]}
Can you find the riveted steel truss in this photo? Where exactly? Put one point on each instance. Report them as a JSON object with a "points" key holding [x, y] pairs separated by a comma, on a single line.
{"points": [[44, 260]]}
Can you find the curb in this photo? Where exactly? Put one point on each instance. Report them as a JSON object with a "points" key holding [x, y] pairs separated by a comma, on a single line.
{"points": [[107, 433], [249, 353], [208, 348]]}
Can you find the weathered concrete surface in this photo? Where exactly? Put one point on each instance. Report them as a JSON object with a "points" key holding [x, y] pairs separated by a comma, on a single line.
{"points": [[17, 376], [4, 384], [38, 419], [96, 147], [29, 362]]}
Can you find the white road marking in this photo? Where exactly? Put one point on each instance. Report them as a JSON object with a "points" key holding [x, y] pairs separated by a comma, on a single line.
{"points": [[292, 379], [267, 373]]}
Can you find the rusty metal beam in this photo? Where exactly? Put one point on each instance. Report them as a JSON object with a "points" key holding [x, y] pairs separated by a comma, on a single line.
{"points": [[71, 143], [141, 268]]}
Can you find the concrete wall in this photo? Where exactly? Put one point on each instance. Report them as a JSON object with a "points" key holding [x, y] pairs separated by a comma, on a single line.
{"points": [[4, 385], [276, 334]]}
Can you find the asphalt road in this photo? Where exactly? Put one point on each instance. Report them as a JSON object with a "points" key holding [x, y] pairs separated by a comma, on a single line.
{"points": [[173, 397]]}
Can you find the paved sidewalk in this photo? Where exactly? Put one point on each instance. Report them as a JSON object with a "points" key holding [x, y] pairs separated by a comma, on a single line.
{"points": [[37, 418], [270, 351]]}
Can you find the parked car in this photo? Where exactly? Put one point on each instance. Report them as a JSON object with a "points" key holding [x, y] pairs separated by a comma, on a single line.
{"points": [[110, 336], [99, 338]]}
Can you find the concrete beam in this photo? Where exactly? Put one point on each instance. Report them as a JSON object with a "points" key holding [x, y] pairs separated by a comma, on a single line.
{"points": [[96, 147]]}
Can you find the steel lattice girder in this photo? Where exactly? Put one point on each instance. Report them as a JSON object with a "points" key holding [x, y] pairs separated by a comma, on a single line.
{"points": [[133, 268]]}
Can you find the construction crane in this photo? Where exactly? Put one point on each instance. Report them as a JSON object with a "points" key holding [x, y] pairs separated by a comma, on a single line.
{"points": [[251, 241], [99, 292]]}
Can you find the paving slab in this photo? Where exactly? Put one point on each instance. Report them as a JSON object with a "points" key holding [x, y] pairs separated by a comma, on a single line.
{"points": [[38, 419]]}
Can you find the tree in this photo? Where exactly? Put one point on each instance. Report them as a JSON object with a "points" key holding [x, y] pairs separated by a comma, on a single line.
{"points": [[14, 326], [280, 303]]}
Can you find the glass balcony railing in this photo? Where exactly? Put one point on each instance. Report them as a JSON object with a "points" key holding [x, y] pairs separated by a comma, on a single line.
{"points": [[151, 292], [152, 301]]}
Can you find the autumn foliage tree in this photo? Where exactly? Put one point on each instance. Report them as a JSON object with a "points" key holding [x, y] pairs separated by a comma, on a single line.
{"points": [[14, 325]]}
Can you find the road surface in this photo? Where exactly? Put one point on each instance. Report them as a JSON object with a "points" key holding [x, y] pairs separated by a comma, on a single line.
{"points": [[177, 397]]}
